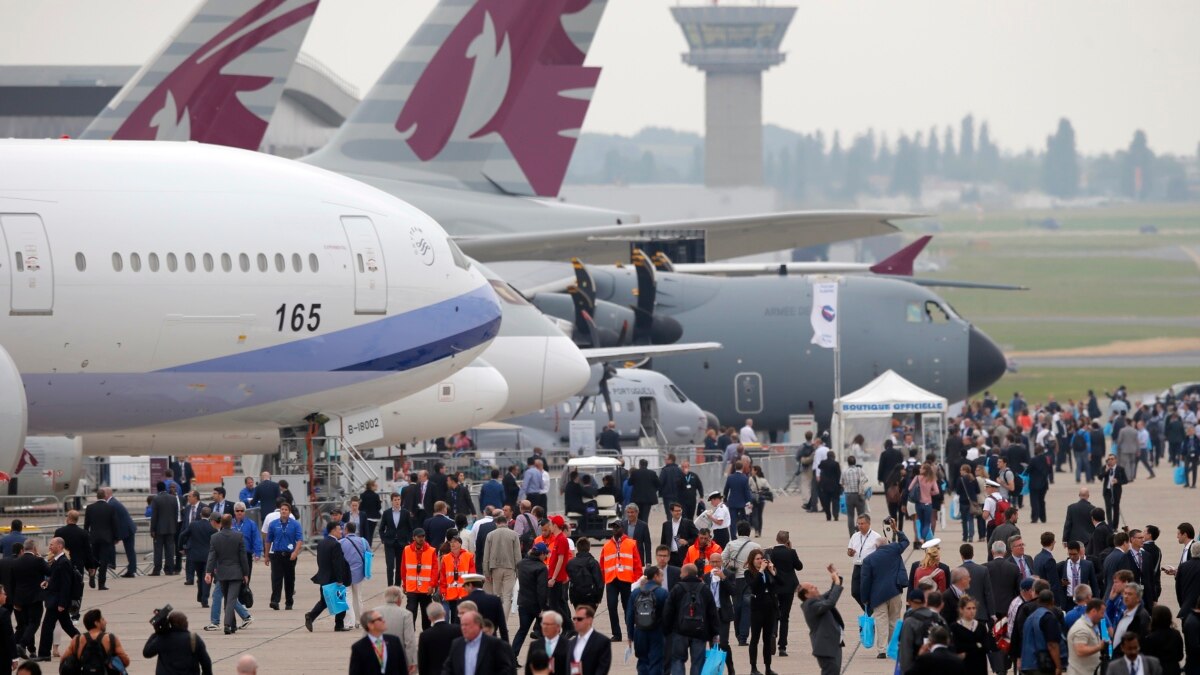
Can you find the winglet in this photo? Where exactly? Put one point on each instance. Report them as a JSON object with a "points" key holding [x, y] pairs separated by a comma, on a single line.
{"points": [[900, 263]]}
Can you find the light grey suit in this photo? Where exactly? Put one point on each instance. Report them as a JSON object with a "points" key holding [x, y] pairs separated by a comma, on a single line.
{"points": [[228, 564], [825, 628], [1119, 666], [399, 622]]}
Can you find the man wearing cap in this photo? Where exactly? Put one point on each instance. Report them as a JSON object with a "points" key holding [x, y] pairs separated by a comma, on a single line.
{"points": [[620, 563], [719, 518], [991, 503], [532, 598], [560, 553], [915, 627], [418, 574], [489, 605]]}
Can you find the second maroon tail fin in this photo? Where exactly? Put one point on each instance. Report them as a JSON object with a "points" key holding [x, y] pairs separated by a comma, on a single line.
{"points": [[900, 263]]}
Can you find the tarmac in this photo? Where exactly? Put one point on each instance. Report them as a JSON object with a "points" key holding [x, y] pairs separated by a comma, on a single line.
{"points": [[281, 644]]}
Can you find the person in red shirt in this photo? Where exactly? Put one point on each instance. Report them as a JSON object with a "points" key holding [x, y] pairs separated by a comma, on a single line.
{"points": [[560, 554]]}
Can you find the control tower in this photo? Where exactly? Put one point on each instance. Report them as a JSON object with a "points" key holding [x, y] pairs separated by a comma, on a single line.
{"points": [[733, 45]]}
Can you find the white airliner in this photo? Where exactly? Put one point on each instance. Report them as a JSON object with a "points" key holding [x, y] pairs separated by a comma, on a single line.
{"points": [[169, 287]]}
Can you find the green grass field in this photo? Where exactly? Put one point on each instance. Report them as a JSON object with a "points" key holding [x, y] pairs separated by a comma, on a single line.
{"points": [[1098, 272]]}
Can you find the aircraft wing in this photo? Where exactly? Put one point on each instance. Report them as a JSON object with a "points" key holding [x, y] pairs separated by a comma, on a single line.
{"points": [[780, 268], [725, 237], [636, 352], [948, 283]]}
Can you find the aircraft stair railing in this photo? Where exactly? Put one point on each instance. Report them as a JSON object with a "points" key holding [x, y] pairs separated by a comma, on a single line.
{"points": [[354, 466]]}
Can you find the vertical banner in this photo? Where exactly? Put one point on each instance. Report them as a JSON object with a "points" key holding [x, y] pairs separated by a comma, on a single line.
{"points": [[825, 314], [583, 438]]}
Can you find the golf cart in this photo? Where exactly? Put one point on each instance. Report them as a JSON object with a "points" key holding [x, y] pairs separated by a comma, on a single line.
{"points": [[601, 510]]}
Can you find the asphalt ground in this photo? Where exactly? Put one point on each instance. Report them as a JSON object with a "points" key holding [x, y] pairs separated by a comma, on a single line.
{"points": [[281, 644]]}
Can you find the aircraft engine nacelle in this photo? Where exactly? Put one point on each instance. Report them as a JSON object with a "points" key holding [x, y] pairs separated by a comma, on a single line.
{"points": [[13, 414]]}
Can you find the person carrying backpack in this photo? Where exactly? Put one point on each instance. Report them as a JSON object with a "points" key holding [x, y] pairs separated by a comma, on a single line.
{"points": [[95, 651], [644, 613], [583, 572], [691, 619]]}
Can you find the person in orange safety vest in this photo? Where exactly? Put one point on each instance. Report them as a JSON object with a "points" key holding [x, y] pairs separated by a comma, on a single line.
{"points": [[699, 552], [454, 565], [621, 565], [419, 575]]}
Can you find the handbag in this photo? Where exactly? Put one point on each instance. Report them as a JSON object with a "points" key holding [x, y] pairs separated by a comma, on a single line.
{"points": [[246, 596], [1180, 475], [367, 556], [335, 598], [866, 630], [714, 661], [893, 648]]}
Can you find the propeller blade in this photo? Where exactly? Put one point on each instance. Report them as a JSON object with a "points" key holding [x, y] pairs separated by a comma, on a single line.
{"points": [[582, 402], [583, 311], [647, 291], [609, 371], [663, 263], [583, 280]]}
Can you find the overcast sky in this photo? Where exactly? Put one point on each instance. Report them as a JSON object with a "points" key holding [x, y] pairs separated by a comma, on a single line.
{"points": [[1110, 67]]}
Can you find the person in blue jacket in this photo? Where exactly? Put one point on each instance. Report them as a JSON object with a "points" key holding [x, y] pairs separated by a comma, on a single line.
{"points": [[882, 585]]}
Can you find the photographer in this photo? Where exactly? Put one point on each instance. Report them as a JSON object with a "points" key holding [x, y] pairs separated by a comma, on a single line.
{"points": [[179, 651]]}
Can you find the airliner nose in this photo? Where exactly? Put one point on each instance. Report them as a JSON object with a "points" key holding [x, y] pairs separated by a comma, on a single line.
{"points": [[985, 362], [565, 371]]}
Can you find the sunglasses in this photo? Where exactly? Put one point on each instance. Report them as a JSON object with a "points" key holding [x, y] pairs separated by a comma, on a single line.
{"points": [[577, 619]]}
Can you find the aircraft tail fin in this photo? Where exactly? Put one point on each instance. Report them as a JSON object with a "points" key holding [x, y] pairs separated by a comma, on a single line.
{"points": [[216, 80], [900, 263], [488, 95]]}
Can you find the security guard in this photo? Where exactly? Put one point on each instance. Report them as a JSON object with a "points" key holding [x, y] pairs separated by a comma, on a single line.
{"points": [[455, 564], [284, 538], [621, 565], [419, 574]]}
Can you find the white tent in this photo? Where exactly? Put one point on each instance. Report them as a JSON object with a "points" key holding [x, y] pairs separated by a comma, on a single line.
{"points": [[871, 409]]}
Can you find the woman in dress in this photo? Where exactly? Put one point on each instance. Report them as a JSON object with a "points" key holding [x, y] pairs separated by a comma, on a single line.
{"points": [[764, 608], [971, 638]]}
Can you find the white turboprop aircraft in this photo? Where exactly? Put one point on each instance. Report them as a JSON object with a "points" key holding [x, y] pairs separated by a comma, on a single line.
{"points": [[173, 287]]}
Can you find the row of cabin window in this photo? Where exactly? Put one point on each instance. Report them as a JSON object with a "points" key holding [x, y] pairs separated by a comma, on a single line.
{"points": [[153, 262]]}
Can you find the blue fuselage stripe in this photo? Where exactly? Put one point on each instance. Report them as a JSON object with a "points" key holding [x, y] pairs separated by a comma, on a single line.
{"points": [[387, 344]]}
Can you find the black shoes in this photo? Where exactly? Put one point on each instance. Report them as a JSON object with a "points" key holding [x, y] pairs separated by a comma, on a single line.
{"points": [[275, 606], [91, 579], [102, 588], [782, 652], [152, 574], [340, 629], [308, 622], [129, 575], [288, 607]]}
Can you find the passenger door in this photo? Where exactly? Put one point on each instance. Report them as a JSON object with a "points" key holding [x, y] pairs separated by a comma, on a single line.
{"points": [[370, 274], [748, 390], [31, 272]]}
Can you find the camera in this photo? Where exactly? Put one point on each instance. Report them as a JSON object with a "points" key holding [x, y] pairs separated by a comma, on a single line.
{"points": [[159, 620]]}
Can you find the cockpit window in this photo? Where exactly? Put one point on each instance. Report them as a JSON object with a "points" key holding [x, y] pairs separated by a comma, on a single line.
{"points": [[678, 394], [913, 313], [935, 313], [458, 256], [507, 293]]}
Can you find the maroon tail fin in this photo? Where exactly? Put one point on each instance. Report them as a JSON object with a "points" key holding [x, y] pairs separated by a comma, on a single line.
{"points": [[900, 263]]}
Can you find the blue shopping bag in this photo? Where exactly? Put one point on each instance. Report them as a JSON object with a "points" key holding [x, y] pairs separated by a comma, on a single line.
{"points": [[335, 598], [893, 648], [842, 504], [714, 662], [866, 630], [1025, 486], [954, 511], [368, 558], [1180, 475]]}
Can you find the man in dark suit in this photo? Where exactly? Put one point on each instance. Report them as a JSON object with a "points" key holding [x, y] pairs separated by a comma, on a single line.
{"points": [[1074, 571], [492, 658], [419, 497], [331, 567], [220, 505], [787, 563], [189, 514], [722, 588], [437, 525], [29, 571], [1152, 565], [375, 645], [126, 531], [100, 521], [265, 493], [1187, 582], [554, 642], [737, 495], [1005, 579], [434, 642], [164, 528], [670, 479], [194, 542], [228, 565], [645, 486], [395, 531], [1079, 525], [184, 473], [57, 598], [489, 605], [1112, 479], [678, 533], [638, 530], [1100, 544], [1046, 567], [79, 549], [1016, 554], [1118, 559], [980, 587], [592, 650], [512, 486], [939, 660], [7, 562]]}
